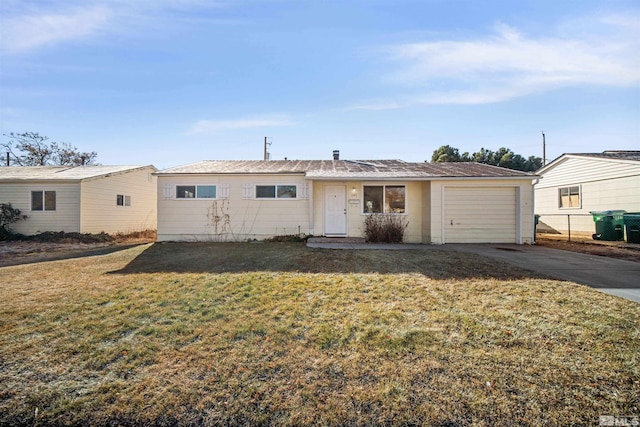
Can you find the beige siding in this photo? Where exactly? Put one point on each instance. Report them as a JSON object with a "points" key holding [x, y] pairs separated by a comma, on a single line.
{"points": [[355, 215], [100, 213], [65, 218], [604, 185], [238, 217], [234, 218], [426, 212], [414, 215], [523, 192], [318, 205]]}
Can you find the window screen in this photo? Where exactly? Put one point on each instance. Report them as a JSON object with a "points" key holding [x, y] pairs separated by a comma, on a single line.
{"points": [[569, 197]]}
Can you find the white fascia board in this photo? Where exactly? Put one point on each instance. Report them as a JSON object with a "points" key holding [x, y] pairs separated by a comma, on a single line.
{"points": [[400, 178]]}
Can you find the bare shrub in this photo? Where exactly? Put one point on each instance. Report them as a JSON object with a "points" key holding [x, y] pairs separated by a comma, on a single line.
{"points": [[385, 228], [8, 216]]}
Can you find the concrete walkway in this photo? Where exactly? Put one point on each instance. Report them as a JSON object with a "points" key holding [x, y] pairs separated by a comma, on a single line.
{"points": [[610, 275], [358, 243]]}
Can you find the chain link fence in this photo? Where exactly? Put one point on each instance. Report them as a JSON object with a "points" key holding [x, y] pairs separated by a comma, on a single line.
{"points": [[565, 226]]}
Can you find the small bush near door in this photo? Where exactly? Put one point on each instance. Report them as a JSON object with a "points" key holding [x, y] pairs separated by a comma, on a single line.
{"points": [[385, 228]]}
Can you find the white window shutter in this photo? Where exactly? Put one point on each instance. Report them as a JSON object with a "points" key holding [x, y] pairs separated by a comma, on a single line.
{"points": [[304, 191], [246, 191], [223, 192], [167, 191]]}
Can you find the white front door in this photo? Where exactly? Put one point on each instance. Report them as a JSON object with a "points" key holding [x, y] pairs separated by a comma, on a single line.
{"points": [[335, 210]]}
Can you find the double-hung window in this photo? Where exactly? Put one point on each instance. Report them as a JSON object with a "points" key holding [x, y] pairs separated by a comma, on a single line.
{"points": [[276, 192], [195, 191], [569, 197], [384, 199], [122, 200], [43, 200]]}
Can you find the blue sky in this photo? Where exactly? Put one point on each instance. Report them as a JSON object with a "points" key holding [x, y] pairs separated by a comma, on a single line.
{"points": [[172, 82]]}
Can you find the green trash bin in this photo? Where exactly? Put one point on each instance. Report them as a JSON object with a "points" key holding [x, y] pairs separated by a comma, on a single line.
{"points": [[609, 225], [632, 224]]}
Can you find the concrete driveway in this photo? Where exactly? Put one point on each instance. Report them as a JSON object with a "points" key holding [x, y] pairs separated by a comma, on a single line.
{"points": [[610, 275]]}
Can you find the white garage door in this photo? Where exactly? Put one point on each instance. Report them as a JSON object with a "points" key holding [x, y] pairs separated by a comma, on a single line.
{"points": [[480, 215]]}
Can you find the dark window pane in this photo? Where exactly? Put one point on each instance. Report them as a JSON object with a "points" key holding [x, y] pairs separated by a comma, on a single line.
{"points": [[286, 191], [265, 191], [186, 191], [372, 199], [36, 201], [120, 200], [394, 198], [49, 200]]}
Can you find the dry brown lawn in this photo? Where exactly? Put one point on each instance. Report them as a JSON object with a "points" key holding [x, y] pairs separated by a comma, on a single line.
{"points": [[280, 334], [619, 250]]}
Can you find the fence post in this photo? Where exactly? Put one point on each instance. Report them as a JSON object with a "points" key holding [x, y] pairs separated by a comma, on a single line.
{"points": [[569, 226]]}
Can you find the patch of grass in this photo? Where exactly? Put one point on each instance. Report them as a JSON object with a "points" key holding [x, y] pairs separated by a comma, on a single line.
{"points": [[263, 334], [136, 236]]}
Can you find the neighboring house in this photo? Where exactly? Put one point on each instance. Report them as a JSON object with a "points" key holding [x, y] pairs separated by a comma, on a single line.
{"points": [[442, 202], [573, 185], [85, 199]]}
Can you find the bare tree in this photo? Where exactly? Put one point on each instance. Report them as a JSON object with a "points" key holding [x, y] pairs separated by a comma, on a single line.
{"points": [[33, 149]]}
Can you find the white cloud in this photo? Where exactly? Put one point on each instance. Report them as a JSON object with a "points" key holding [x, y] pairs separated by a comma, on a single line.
{"points": [[24, 27], [29, 31], [509, 64], [211, 126]]}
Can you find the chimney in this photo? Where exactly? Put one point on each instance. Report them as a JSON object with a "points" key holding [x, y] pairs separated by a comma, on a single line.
{"points": [[336, 154]]}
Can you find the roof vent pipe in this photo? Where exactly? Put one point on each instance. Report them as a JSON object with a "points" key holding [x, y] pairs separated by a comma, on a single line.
{"points": [[336, 154]]}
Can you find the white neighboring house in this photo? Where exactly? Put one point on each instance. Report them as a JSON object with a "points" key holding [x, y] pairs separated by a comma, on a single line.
{"points": [[573, 185], [84, 199], [442, 202]]}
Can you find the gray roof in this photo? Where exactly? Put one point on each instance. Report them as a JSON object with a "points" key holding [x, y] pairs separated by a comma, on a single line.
{"points": [[61, 173], [611, 154], [348, 169], [619, 155]]}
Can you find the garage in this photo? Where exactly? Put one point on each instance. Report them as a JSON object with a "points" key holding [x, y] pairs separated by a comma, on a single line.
{"points": [[480, 215]]}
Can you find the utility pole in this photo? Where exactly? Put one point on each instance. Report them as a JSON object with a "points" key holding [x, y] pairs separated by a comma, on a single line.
{"points": [[8, 159], [266, 153], [544, 150]]}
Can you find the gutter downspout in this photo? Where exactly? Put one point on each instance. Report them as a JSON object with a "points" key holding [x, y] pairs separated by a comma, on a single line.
{"points": [[311, 218], [533, 206]]}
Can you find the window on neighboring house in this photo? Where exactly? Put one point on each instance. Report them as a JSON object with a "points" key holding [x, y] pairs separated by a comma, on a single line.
{"points": [[569, 197], [384, 199], [276, 192], [196, 191], [122, 200], [43, 200]]}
